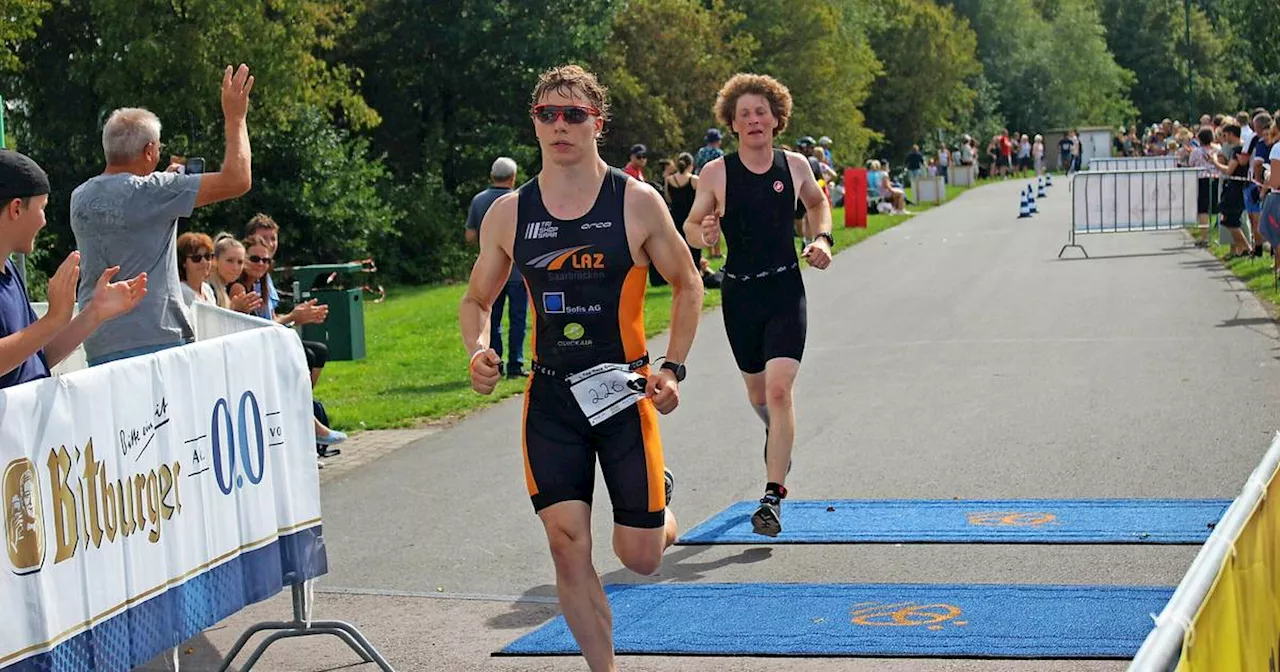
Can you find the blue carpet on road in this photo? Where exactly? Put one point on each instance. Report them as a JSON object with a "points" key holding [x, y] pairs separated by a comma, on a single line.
{"points": [[1032, 521], [871, 620]]}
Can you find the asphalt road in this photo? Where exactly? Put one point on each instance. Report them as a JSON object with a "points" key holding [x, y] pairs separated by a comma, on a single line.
{"points": [[953, 356]]}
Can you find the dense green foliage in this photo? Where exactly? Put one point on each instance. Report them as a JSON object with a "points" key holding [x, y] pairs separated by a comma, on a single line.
{"points": [[375, 121]]}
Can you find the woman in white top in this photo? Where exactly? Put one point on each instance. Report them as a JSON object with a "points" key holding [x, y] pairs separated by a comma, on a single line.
{"points": [[195, 265], [1037, 154]]}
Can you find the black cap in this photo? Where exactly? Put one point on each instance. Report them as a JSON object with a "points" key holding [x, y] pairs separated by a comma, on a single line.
{"points": [[639, 150], [713, 135], [20, 177]]}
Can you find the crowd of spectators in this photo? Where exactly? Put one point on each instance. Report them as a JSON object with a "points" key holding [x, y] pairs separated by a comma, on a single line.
{"points": [[125, 221]]}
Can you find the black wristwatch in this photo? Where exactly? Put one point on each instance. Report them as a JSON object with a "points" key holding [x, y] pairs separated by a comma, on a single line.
{"points": [[831, 241], [676, 368]]}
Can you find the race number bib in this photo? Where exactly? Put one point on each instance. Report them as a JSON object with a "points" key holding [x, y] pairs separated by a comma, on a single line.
{"points": [[606, 390]]}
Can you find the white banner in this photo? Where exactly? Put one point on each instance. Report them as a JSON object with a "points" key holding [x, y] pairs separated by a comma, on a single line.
{"points": [[1145, 200], [147, 499], [1134, 163]]}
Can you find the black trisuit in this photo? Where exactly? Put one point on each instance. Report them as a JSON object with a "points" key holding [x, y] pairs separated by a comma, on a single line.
{"points": [[763, 295]]}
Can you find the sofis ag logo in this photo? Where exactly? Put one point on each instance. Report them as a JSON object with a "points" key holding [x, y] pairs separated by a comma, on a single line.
{"points": [[23, 522]]}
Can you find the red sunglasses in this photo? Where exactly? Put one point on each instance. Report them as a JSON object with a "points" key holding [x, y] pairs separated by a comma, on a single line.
{"points": [[573, 114]]}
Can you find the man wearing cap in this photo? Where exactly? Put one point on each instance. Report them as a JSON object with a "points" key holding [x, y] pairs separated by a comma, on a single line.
{"points": [[710, 151], [502, 179], [29, 347], [825, 143], [128, 217], [639, 157]]}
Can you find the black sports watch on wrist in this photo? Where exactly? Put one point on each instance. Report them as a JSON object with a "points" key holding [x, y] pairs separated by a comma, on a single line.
{"points": [[676, 368], [831, 240]]}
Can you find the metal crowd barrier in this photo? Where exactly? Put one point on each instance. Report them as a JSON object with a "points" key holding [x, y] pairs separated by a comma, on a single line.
{"points": [[1133, 163], [1131, 201]]}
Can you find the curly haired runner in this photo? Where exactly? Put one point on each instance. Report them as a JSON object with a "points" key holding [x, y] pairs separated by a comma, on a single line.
{"points": [[752, 196], [584, 235]]}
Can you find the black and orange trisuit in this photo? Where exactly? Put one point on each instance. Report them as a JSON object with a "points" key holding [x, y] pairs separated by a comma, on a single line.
{"points": [[588, 300]]}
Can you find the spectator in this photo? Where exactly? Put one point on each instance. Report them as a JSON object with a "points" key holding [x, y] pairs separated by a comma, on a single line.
{"points": [[710, 150], [837, 192], [1066, 148], [944, 163], [896, 197], [1258, 152], [502, 179], [228, 260], [195, 266], [1025, 163], [1231, 161], [635, 166], [915, 165], [128, 217], [1206, 194], [264, 228], [825, 143], [968, 151], [1004, 153], [253, 280], [1270, 218], [29, 347], [1037, 155], [680, 190]]}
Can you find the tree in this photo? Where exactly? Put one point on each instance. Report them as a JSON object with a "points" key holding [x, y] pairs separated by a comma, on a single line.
{"points": [[1252, 55], [1084, 84], [662, 77], [810, 47], [452, 79], [319, 183], [21, 19], [89, 57], [929, 56], [1148, 37], [1045, 59]]}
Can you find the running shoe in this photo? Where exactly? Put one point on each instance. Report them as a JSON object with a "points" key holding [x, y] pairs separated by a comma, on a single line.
{"points": [[669, 483], [767, 520], [333, 438]]}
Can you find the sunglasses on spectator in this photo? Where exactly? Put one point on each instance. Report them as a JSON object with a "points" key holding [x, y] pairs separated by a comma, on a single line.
{"points": [[255, 259], [573, 114], [201, 257]]}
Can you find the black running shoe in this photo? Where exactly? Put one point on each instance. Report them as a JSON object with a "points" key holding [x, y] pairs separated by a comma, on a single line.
{"points": [[767, 520], [669, 483], [1257, 251]]}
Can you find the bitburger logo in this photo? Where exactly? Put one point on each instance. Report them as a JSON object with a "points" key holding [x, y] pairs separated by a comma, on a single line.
{"points": [[23, 522]]}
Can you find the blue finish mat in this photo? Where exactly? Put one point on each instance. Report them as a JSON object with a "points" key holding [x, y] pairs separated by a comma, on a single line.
{"points": [[871, 620], [1010, 521]]}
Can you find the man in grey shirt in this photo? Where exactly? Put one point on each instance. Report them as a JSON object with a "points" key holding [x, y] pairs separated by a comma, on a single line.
{"points": [[502, 179], [128, 217]]}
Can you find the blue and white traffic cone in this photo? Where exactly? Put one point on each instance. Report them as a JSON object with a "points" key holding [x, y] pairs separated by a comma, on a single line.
{"points": [[1041, 191], [1024, 207], [1048, 180], [1031, 198]]}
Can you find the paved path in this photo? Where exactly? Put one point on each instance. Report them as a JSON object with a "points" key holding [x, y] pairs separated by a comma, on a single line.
{"points": [[953, 356]]}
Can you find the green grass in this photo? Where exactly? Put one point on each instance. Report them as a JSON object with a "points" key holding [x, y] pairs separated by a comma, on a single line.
{"points": [[415, 367], [1256, 274]]}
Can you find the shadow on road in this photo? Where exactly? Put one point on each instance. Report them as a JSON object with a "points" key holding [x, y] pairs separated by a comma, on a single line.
{"points": [[530, 609]]}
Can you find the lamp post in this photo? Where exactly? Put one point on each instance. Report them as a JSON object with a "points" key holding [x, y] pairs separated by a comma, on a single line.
{"points": [[1191, 75]]}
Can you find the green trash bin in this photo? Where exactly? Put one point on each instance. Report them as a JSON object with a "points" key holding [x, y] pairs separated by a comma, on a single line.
{"points": [[343, 331]]}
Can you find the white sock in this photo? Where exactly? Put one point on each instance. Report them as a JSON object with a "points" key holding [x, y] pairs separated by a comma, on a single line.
{"points": [[763, 412]]}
